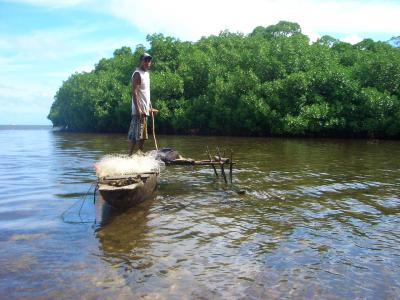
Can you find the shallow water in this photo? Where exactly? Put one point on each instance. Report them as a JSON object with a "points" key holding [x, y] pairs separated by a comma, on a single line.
{"points": [[320, 219]]}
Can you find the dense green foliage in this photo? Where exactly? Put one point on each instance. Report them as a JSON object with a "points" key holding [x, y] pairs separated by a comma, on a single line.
{"points": [[270, 82]]}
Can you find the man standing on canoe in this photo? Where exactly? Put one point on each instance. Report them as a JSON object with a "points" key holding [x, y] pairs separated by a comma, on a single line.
{"points": [[141, 104]]}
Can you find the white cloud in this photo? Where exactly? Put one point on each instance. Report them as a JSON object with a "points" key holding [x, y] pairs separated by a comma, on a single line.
{"points": [[24, 91], [26, 103], [55, 44], [33, 66], [55, 52], [352, 39], [51, 3], [191, 20]]}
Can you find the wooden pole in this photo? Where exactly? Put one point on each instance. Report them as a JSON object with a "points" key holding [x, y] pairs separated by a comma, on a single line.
{"points": [[209, 156], [154, 130], [222, 165], [231, 166]]}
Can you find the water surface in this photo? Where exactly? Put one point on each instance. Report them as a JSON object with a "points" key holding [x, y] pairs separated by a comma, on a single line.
{"points": [[320, 219]]}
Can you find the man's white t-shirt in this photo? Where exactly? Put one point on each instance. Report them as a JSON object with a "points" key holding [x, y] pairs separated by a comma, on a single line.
{"points": [[144, 92]]}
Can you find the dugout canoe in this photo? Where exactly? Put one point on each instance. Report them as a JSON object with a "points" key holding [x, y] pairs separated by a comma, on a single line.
{"points": [[123, 192]]}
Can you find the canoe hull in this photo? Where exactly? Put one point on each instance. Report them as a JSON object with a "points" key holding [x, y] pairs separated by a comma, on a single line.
{"points": [[127, 196]]}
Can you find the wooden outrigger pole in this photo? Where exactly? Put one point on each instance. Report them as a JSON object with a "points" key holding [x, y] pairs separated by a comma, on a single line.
{"points": [[213, 166], [222, 165], [218, 160]]}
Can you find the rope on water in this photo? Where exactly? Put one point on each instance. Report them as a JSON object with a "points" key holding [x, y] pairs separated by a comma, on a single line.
{"points": [[83, 200]]}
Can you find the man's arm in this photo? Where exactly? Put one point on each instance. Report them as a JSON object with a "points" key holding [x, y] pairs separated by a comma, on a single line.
{"points": [[136, 81], [153, 110]]}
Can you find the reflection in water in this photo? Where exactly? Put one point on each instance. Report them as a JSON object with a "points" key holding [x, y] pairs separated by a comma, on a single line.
{"points": [[122, 236], [320, 219]]}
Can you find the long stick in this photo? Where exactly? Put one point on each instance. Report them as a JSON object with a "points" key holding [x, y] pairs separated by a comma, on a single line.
{"points": [[222, 165], [230, 166], [154, 130], [209, 156]]}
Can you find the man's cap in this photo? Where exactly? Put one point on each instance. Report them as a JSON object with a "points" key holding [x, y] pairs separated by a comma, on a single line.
{"points": [[145, 56]]}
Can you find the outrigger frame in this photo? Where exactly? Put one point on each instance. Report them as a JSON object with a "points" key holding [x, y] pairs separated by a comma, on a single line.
{"points": [[218, 160]]}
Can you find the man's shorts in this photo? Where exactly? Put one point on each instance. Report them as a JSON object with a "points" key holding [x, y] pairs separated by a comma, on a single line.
{"points": [[138, 129]]}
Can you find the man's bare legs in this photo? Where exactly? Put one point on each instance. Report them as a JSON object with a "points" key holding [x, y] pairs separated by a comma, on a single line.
{"points": [[141, 145], [132, 145]]}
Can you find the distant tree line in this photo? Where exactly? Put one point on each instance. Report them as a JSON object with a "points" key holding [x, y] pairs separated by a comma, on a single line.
{"points": [[271, 82]]}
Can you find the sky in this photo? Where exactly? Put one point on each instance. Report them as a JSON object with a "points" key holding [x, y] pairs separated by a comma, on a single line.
{"points": [[43, 42]]}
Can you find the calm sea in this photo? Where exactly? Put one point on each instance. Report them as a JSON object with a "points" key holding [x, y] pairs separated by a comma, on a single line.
{"points": [[320, 219]]}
